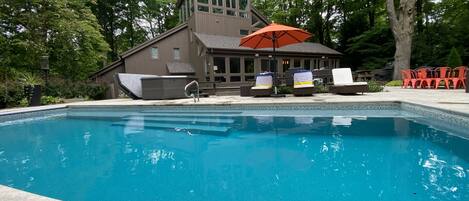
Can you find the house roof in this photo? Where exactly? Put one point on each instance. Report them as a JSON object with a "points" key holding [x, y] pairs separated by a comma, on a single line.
{"points": [[109, 67], [180, 68], [232, 43]]}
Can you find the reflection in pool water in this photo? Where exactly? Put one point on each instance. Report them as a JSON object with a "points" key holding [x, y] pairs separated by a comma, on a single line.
{"points": [[259, 158]]}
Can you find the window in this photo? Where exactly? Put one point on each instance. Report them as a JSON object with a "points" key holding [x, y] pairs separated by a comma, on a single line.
{"points": [[203, 1], [176, 54], [260, 25], [183, 12], [315, 63], [235, 79], [248, 65], [219, 64], [230, 3], [249, 78], [217, 2], [296, 63], [154, 53], [265, 65], [231, 12], [188, 9], [202, 8], [235, 65], [243, 14], [243, 32], [243, 4], [191, 7], [254, 20], [307, 64], [217, 10], [233, 3], [220, 78], [285, 64]]}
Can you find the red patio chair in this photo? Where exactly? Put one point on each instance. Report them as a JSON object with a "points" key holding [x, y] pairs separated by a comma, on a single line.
{"points": [[408, 78], [442, 74], [424, 77], [458, 77]]}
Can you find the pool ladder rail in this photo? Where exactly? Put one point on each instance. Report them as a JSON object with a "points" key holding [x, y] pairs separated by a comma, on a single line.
{"points": [[190, 93]]}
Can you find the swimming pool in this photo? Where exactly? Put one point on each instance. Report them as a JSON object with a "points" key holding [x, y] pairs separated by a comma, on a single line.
{"points": [[235, 153]]}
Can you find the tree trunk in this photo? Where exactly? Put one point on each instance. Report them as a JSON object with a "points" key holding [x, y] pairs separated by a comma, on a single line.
{"points": [[402, 55], [402, 26]]}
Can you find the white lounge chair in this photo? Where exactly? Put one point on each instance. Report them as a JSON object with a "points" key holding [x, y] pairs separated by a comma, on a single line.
{"points": [[263, 87], [303, 83], [344, 84]]}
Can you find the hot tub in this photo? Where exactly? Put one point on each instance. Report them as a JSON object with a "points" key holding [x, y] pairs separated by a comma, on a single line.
{"points": [[164, 87]]}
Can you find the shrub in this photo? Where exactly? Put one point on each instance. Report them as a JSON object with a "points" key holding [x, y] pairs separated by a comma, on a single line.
{"points": [[10, 94], [23, 102], [96, 91], [284, 90], [374, 86], [77, 89], [48, 100], [30, 80], [454, 59], [322, 89], [394, 83]]}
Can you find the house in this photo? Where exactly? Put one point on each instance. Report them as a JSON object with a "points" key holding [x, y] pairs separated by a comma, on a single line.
{"points": [[206, 45]]}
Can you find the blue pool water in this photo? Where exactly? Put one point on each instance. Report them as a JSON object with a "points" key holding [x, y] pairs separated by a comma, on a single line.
{"points": [[233, 155]]}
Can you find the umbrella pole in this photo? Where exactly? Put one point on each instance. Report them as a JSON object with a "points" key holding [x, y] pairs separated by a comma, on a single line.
{"points": [[274, 38]]}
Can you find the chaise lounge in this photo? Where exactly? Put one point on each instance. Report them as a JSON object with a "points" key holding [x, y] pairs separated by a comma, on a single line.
{"points": [[344, 84], [303, 83], [263, 85]]}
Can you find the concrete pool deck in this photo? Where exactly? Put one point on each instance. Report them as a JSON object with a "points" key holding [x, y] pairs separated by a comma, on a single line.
{"points": [[450, 100], [456, 101]]}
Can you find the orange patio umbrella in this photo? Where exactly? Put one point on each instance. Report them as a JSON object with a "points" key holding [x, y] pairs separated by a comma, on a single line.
{"points": [[274, 36]]}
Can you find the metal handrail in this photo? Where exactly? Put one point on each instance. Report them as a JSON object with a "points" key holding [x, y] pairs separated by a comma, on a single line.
{"points": [[192, 94]]}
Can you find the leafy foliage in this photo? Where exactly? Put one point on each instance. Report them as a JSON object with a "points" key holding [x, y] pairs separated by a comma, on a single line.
{"points": [[10, 93], [374, 86], [454, 60], [66, 30], [48, 100], [127, 23], [285, 90], [394, 83], [78, 89]]}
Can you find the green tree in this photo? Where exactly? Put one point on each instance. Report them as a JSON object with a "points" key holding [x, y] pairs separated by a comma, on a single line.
{"points": [[67, 31], [126, 24], [454, 59]]}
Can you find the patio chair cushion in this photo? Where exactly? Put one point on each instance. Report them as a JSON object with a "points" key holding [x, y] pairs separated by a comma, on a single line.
{"points": [[342, 76], [131, 84], [352, 84], [263, 81], [303, 79]]}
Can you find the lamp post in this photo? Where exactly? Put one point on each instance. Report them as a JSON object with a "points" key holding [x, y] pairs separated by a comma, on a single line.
{"points": [[45, 67]]}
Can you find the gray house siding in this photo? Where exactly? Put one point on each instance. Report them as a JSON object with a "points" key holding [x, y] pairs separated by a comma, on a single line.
{"points": [[141, 62], [220, 24]]}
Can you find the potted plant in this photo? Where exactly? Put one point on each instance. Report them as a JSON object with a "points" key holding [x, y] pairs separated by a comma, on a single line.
{"points": [[32, 88]]}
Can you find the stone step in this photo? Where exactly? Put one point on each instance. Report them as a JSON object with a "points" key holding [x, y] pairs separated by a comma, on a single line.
{"points": [[182, 119], [205, 128]]}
